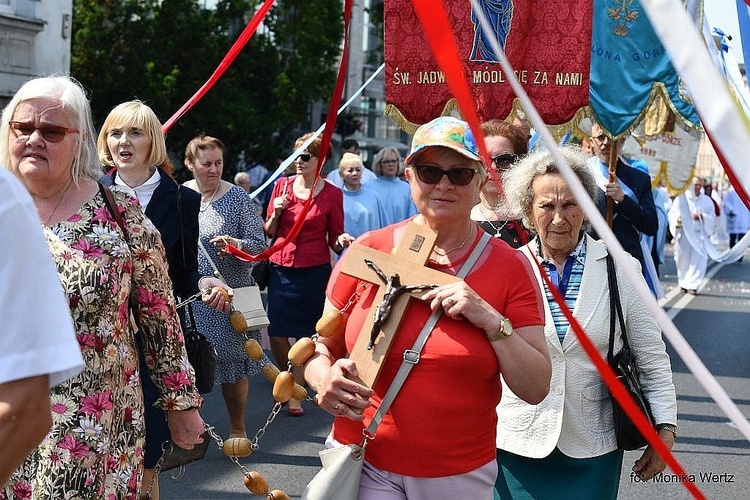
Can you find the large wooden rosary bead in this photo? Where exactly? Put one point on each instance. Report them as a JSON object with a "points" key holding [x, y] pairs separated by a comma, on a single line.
{"points": [[283, 387], [239, 323], [237, 447], [253, 349], [256, 483], [270, 371], [301, 351], [299, 392], [329, 323]]}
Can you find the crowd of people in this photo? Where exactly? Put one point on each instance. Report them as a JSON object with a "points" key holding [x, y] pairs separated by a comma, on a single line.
{"points": [[125, 244]]}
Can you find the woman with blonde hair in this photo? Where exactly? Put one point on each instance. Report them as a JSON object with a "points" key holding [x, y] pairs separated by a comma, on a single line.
{"points": [[363, 209], [131, 140]]}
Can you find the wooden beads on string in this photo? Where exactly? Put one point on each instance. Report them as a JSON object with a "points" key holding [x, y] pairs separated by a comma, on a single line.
{"points": [[283, 386], [299, 392], [237, 447], [277, 495], [270, 371]]}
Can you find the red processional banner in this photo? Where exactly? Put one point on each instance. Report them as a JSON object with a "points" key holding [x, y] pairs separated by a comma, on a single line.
{"points": [[547, 42]]}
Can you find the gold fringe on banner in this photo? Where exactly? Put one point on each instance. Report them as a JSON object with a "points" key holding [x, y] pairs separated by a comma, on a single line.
{"points": [[451, 106]]}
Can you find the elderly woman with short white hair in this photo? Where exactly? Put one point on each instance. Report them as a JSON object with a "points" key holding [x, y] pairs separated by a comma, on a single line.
{"points": [[394, 193], [565, 447]]}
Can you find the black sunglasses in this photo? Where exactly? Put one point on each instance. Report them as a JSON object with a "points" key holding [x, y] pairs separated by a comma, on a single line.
{"points": [[50, 133], [458, 176], [305, 156], [504, 160]]}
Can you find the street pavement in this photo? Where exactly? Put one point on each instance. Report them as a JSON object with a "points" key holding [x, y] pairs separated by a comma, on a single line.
{"points": [[715, 324]]}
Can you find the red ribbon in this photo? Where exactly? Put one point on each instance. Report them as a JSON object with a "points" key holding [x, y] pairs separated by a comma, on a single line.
{"points": [[232, 54], [326, 141], [440, 36], [439, 33]]}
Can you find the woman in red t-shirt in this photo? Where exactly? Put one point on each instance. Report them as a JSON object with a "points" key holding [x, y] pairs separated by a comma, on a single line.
{"points": [[437, 440]]}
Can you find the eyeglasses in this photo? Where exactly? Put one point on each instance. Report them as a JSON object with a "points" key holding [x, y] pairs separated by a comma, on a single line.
{"points": [[304, 157], [50, 133], [600, 138], [389, 162], [504, 160], [458, 176]]}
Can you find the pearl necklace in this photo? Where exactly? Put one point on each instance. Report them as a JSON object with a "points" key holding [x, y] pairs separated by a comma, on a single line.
{"points": [[205, 205], [444, 253]]}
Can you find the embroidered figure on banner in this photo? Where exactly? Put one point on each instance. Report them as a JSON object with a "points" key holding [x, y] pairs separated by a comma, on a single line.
{"points": [[622, 15], [499, 13]]}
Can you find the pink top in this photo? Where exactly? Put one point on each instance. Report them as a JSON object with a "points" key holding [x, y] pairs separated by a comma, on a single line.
{"points": [[443, 421], [323, 224]]}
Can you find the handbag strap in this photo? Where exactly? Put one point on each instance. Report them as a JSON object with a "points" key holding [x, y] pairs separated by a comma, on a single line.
{"points": [[189, 306], [109, 201], [615, 309], [411, 357], [217, 273]]}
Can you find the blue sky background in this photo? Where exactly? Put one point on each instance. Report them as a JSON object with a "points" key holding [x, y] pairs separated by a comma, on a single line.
{"points": [[723, 14]]}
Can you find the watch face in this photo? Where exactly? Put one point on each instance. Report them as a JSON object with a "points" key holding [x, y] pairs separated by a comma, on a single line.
{"points": [[507, 328]]}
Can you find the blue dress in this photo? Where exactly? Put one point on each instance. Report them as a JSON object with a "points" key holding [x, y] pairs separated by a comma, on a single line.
{"points": [[236, 215], [363, 211], [395, 196]]}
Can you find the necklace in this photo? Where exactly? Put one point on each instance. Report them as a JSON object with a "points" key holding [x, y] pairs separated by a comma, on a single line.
{"points": [[444, 253], [495, 228], [57, 205], [205, 205]]}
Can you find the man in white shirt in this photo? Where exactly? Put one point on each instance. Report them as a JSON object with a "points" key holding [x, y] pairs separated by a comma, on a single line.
{"points": [[38, 346]]}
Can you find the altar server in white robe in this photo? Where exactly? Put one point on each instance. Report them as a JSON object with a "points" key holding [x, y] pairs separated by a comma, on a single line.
{"points": [[691, 221]]}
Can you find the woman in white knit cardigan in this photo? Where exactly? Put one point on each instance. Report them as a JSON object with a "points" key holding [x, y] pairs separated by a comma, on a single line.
{"points": [[565, 446]]}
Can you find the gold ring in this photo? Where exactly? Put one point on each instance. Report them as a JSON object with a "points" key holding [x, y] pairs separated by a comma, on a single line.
{"points": [[316, 400]]}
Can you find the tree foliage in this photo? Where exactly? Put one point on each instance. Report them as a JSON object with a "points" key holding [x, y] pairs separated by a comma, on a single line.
{"points": [[162, 52]]}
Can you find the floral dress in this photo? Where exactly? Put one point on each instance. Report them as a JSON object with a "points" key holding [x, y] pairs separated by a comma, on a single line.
{"points": [[95, 447], [233, 214]]}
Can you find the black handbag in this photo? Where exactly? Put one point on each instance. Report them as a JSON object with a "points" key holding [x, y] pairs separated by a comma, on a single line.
{"points": [[201, 354], [173, 456], [623, 364], [200, 351], [261, 273]]}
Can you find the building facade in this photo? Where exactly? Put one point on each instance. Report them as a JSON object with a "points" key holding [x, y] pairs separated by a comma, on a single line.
{"points": [[35, 40]]}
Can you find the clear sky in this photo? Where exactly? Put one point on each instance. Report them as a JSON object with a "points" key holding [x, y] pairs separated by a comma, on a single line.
{"points": [[723, 14]]}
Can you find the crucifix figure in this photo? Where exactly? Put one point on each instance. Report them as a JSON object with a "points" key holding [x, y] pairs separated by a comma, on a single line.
{"points": [[393, 290], [407, 263]]}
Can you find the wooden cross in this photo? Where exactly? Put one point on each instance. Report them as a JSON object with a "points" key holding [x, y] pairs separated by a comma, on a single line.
{"points": [[407, 260]]}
